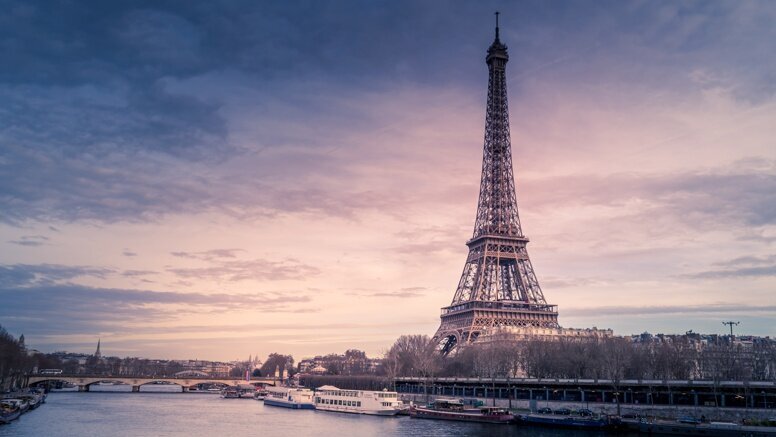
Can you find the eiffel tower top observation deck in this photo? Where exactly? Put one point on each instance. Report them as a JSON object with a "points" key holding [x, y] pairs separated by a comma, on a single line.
{"points": [[498, 287]]}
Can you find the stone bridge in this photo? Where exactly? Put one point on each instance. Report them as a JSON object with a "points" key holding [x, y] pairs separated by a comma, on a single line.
{"points": [[83, 382]]}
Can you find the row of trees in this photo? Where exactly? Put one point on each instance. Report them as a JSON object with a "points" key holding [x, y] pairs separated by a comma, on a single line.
{"points": [[14, 361], [494, 356], [352, 362], [614, 358], [274, 362]]}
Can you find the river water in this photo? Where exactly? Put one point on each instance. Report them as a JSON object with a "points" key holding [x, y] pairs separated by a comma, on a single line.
{"points": [[190, 414]]}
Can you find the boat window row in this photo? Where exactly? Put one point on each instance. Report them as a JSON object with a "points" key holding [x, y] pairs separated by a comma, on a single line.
{"points": [[387, 395], [341, 402], [340, 393]]}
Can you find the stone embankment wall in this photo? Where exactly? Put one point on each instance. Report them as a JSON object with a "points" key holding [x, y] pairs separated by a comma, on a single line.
{"points": [[667, 412]]}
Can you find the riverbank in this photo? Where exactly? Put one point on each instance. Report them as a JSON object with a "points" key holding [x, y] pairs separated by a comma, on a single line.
{"points": [[730, 414]]}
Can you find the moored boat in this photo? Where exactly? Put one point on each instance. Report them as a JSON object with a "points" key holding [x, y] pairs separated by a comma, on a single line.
{"points": [[573, 422], [7, 414], [230, 393], [290, 397], [379, 403], [454, 409], [16, 404], [33, 402], [712, 429]]}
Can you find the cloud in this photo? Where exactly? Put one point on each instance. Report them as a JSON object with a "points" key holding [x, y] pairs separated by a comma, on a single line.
{"points": [[133, 113], [209, 255], [710, 309], [748, 260], [405, 292], [135, 273], [741, 194], [555, 282], [75, 309], [26, 275], [744, 272], [30, 240], [748, 266], [129, 253], [241, 270]]}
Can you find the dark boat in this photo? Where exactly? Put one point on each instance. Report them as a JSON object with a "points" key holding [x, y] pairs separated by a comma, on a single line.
{"points": [[573, 422], [454, 409], [7, 417], [712, 429], [9, 410]]}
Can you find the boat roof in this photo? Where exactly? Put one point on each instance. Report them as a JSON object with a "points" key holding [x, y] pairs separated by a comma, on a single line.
{"points": [[448, 401], [327, 387], [277, 388]]}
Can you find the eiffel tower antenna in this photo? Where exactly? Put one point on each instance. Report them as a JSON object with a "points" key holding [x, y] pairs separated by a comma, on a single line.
{"points": [[497, 14], [498, 287]]}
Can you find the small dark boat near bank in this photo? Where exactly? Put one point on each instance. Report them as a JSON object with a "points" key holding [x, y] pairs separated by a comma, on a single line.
{"points": [[454, 409], [571, 422], [711, 429]]}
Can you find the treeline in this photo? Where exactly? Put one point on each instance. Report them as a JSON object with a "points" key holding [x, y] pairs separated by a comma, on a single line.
{"points": [[275, 361], [129, 366], [614, 358], [350, 382], [14, 361]]}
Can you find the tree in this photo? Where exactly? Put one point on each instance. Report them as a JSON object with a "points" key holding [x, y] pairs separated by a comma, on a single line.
{"points": [[280, 362], [14, 361], [415, 355], [616, 355]]}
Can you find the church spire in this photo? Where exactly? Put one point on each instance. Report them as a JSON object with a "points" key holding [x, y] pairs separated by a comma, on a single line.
{"points": [[97, 353]]}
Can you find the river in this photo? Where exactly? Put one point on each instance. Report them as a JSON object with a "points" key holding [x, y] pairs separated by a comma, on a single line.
{"points": [[189, 414]]}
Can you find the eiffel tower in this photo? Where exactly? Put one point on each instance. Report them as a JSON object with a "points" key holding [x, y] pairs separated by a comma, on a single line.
{"points": [[498, 287]]}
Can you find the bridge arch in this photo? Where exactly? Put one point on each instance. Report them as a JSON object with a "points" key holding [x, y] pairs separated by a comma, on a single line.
{"points": [[165, 380], [49, 381], [111, 380], [84, 382]]}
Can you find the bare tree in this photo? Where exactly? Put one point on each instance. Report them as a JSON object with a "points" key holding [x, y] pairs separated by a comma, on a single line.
{"points": [[615, 357]]}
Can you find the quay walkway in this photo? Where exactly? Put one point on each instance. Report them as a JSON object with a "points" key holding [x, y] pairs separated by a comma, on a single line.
{"points": [[697, 393]]}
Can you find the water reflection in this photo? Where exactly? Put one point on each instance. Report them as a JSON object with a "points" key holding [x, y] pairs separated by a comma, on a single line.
{"points": [[176, 414]]}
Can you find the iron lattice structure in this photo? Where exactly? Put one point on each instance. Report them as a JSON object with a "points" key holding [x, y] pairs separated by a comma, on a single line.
{"points": [[498, 287]]}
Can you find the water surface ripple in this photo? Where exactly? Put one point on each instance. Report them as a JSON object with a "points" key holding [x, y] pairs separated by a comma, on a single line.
{"points": [[188, 414]]}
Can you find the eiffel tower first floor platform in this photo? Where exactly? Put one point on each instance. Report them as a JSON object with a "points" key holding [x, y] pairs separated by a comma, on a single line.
{"points": [[463, 323]]}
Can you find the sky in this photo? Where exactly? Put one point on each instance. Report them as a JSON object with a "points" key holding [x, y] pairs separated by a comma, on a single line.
{"points": [[213, 179]]}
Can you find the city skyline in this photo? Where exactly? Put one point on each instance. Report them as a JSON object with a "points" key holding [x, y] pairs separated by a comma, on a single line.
{"points": [[207, 180]]}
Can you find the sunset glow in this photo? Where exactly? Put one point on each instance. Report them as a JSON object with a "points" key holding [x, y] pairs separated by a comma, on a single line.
{"points": [[223, 180]]}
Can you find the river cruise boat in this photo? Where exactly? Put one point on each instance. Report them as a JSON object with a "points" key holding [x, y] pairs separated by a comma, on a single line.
{"points": [[378, 403], [454, 409], [290, 397]]}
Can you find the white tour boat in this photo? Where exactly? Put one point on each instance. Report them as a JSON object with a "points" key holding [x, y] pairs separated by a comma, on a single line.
{"points": [[290, 397], [380, 403]]}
